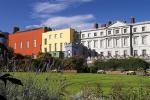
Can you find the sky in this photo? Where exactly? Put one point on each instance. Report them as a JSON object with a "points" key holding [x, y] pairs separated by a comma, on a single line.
{"points": [[78, 14]]}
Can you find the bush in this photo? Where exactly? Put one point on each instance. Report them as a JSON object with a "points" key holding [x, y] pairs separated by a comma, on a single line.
{"points": [[121, 64]]}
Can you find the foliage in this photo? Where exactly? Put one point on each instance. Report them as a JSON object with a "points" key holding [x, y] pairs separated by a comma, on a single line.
{"points": [[121, 64], [8, 77], [78, 64]]}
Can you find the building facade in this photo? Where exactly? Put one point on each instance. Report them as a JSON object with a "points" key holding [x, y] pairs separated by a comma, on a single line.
{"points": [[119, 39], [76, 50], [27, 42], [54, 41]]}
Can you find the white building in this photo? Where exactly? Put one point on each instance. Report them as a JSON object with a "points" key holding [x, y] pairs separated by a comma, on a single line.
{"points": [[119, 39]]}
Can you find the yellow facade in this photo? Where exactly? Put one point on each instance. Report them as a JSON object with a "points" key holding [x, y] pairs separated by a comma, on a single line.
{"points": [[55, 40]]}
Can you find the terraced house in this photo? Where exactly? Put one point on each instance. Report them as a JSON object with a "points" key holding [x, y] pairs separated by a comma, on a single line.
{"points": [[54, 41], [119, 39], [27, 42]]}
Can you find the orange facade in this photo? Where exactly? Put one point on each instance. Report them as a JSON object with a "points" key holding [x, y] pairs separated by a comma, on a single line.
{"points": [[27, 42]]}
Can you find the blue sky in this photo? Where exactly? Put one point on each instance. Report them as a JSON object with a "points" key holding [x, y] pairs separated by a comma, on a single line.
{"points": [[79, 14]]}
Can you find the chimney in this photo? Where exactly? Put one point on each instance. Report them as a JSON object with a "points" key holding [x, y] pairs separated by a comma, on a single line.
{"points": [[96, 25], [132, 19], [110, 22], [15, 29]]}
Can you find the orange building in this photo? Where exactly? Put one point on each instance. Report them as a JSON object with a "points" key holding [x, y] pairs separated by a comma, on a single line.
{"points": [[27, 42]]}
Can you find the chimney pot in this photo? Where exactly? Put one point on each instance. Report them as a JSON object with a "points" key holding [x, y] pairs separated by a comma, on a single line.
{"points": [[110, 22], [16, 29], [96, 26], [133, 20]]}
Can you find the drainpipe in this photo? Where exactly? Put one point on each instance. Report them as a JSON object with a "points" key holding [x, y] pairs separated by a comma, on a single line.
{"points": [[131, 46]]}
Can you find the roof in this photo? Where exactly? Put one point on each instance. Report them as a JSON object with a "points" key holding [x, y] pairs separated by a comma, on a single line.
{"points": [[116, 24]]}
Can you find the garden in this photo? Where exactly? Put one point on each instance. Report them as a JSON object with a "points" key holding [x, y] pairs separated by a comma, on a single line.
{"points": [[48, 78]]}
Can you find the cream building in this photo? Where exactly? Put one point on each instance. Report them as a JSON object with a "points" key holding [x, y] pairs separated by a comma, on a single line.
{"points": [[54, 41], [119, 39]]}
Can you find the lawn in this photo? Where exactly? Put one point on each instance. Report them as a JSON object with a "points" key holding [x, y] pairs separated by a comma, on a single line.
{"points": [[78, 81]]}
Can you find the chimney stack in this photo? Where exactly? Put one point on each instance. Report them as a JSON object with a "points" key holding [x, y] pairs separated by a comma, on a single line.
{"points": [[132, 19], [110, 22], [16, 29], [96, 25]]}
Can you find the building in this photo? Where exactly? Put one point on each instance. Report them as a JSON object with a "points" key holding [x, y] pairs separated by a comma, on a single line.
{"points": [[54, 41], [119, 39], [27, 42], [76, 50]]}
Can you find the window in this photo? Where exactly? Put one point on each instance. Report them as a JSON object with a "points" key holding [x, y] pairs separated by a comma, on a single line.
{"points": [[55, 46], [109, 32], [135, 53], [45, 41], [83, 35], [125, 53], [125, 41], [134, 29], [61, 46], [101, 43], [27, 44], [101, 33], [69, 53], [95, 43], [144, 52], [89, 44], [55, 36], [20, 44], [143, 28], [34, 43], [50, 47], [135, 40], [50, 36], [125, 31], [95, 34], [89, 34], [101, 53], [45, 49], [14, 45], [116, 53], [61, 34], [117, 42], [83, 42], [109, 42], [144, 40], [109, 53], [117, 31]]}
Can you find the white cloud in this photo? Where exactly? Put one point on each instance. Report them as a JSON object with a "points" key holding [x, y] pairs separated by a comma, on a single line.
{"points": [[46, 10], [47, 7], [78, 21]]}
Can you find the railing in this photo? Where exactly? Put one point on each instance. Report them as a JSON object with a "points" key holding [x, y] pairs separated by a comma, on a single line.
{"points": [[146, 57]]}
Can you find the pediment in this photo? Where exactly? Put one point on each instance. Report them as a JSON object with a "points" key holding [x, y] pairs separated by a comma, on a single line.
{"points": [[117, 24]]}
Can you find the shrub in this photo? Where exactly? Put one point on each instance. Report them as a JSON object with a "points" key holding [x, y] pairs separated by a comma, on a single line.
{"points": [[121, 64]]}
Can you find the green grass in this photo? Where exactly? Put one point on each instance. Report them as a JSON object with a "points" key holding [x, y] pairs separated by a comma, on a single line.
{"points": [[78, 81]]}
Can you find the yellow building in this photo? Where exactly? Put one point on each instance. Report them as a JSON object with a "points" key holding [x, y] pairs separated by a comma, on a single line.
{"points": [[55, 40]]}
